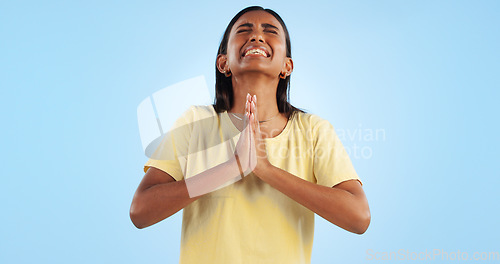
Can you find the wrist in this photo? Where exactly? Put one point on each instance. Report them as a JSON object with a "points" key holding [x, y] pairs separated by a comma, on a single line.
{"points": [[263, 169]]}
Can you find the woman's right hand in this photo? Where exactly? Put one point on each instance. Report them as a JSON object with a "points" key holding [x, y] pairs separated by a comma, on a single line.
{"points": [[245, 153]]}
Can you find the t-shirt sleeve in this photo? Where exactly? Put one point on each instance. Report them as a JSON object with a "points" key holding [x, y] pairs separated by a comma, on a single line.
{"points": [[332, 164], [170, 154]]}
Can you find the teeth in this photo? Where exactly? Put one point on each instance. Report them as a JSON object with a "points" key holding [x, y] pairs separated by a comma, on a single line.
{"points": [[256, 51]]}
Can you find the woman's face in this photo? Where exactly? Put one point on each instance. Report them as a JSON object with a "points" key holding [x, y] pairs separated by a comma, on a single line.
{"points": [[256, 44]]}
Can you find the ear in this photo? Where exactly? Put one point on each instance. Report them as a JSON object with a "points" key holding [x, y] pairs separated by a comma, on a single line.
{"points": [[222, 64], [287, 67]]}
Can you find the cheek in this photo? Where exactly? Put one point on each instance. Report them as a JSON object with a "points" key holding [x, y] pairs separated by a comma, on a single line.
{"points": [[280, 55], [232, 57], [279, 48], [233, 52]]}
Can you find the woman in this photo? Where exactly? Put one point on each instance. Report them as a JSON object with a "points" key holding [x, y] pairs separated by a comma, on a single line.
{"points": [[293, 162]]}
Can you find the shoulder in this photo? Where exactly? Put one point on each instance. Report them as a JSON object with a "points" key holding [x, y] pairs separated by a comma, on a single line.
{"points": [[311, 121], [208, 109], [317, 129], [199, 111], [195, 113]]}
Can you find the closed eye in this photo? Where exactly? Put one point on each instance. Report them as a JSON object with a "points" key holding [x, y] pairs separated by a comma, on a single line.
{"points": [[271, 31]]}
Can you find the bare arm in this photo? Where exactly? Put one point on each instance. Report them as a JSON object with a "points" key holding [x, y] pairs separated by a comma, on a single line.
{"points": [[159, 196], [344, 204]]}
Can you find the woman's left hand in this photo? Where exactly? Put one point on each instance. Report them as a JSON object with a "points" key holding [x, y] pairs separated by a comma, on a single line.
{"points": [[256, 136]]}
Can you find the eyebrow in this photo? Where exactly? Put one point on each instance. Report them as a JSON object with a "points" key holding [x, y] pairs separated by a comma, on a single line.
{"points": [[264, 25]]}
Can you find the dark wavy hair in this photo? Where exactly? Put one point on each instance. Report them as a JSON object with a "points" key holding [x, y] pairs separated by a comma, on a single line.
{"points": [[223, 86]]}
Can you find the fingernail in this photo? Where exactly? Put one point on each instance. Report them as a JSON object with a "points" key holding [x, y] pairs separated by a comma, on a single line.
{"points": [[255, 97]]}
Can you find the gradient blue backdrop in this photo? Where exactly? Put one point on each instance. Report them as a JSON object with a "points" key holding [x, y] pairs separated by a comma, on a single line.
{"points": [[73, 72]]}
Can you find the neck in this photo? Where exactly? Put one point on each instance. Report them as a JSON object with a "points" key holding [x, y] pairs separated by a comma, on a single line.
{"points": [[255, 84]]}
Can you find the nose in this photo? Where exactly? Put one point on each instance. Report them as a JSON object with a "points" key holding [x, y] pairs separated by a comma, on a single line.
{"points": [[257, 37]]}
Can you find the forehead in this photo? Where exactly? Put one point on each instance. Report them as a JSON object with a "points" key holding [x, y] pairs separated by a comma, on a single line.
{"points": [[258, 17]]}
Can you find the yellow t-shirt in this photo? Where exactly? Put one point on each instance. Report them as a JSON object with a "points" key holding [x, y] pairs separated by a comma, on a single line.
{"points": [[249, 221]]}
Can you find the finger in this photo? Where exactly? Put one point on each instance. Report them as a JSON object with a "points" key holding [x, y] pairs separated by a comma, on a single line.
{"points": [[251, 121], [252, 159], [248, 101], [248, 106], [255, 109], [247, 115], [250, 149], [243, 148], [247, 142], [255, 120], [255, 103]]}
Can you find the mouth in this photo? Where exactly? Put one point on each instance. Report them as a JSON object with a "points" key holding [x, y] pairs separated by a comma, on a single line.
{"points": [[253, 51]]}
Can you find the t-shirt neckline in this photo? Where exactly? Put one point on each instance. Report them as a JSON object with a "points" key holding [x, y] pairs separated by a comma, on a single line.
{"points": [[277, 137]]}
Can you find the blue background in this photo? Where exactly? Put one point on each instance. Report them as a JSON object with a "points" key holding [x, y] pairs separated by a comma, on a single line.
{"points": [[72, 74]]}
